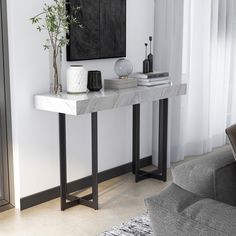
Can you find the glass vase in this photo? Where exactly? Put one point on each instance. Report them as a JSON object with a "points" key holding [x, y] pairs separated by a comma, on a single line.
{"points": [[55, 71]]}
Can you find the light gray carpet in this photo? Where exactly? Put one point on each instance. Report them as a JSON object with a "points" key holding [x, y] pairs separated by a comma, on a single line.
{"points": [[138, 226]]}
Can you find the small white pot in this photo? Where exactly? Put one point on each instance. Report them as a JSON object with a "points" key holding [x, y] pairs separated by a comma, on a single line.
{"points": [[77, 79]]}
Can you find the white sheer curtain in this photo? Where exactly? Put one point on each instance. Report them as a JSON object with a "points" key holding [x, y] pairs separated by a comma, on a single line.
{"points": [[195, 40]]}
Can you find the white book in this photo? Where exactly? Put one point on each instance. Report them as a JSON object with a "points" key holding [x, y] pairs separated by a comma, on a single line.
{"points": [[155, 83], [149, 75], [154, 79]]}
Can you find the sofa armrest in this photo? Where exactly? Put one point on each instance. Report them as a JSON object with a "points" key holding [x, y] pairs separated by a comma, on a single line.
{"points": [[226, 184], [177, 212], [173, 198], [199, 175], [165, 208]]}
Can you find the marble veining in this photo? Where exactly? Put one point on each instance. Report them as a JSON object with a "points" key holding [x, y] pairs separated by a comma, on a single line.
{"points": [[105, 99]]}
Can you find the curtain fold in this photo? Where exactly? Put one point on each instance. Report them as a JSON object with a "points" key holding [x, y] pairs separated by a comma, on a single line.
{"points": [[195, 41]]}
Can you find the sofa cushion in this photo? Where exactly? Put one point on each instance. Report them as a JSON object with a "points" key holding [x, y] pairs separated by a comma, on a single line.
{"points": [[203, 175], [178, 212], [231, 133]]}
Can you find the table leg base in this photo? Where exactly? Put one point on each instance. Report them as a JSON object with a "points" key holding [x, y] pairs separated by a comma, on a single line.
{"points": [[68, 200], [155, 174], [72, 201], [161, 172]]}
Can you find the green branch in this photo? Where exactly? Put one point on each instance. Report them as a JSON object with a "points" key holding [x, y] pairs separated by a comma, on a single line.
{"points": [[56, 21]]}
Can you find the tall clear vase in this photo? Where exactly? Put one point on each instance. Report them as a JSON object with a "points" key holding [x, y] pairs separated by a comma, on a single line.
{"points": [[55, 71]]}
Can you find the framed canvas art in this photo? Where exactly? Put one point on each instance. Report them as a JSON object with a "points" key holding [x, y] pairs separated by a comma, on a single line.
{"points": [[103, 31]]}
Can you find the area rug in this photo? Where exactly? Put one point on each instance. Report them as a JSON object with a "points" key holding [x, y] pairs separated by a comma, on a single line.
{"points": [[138, 226]]}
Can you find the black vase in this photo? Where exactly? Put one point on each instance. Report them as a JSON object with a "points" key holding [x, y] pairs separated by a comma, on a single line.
{"points": [[94, 80], [146, 65], [150, 58]]}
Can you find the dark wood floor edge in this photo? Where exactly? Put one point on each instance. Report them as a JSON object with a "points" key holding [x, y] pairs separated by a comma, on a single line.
{"points": [[76, 185], [6, 207]]}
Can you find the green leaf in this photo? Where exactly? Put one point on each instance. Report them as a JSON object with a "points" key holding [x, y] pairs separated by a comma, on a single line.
{"points": [[56, 20]]}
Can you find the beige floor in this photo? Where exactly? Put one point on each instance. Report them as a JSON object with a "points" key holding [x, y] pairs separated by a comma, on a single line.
{"points": [[119, 200]]}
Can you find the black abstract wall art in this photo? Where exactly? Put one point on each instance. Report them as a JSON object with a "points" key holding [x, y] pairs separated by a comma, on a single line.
{"points": [[103, 34]]}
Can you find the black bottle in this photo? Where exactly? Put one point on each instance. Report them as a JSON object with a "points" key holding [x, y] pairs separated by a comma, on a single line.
{"points": [[150, 56], [146, 61]]}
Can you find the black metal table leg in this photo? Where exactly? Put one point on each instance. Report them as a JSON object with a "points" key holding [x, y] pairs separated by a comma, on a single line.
{"points": [[94, 135], [62, 146], [68, 200], [136, 139], [161, 172], [163, 134]]}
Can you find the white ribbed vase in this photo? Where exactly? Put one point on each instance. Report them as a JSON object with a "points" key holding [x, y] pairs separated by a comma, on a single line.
{"points": [[77, 79]]}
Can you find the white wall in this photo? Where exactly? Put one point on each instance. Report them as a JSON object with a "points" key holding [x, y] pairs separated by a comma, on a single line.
{"points": [[35, 133]]}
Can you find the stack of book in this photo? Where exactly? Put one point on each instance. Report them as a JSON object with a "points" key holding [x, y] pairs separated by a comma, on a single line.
{"points": [[120, 83], [151, 78]]}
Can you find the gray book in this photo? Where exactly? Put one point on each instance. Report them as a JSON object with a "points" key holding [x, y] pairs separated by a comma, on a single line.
{"points": [[120, 83]]}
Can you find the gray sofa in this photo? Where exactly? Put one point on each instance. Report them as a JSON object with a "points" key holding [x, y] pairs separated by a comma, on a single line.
{"points": [[200, 201]]}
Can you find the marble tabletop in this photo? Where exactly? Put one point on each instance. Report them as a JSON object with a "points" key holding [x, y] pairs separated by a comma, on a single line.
{"points": [[105, 99]]}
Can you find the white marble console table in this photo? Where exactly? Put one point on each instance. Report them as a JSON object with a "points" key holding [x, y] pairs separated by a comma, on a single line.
{"points": [[93, 102]]}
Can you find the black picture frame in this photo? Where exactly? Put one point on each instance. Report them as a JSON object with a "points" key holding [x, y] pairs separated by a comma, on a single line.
{"points": [[103, 31]]}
